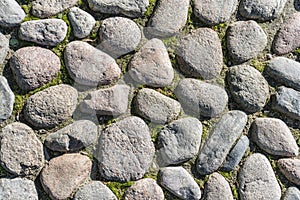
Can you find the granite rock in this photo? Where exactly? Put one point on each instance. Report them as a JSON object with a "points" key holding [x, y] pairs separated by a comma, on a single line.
{"points": [[95, 190], [292, 193], [11, 13], [4, 44], [7, 99], [48, 8], [290, 168]]}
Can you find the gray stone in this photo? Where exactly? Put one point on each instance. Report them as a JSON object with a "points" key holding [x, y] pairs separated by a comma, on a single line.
{"points": [[33, 67], [51, 106], [213, 12], [274, 137], [248, 88], [21, 152], [288, 102], [95, 190], [201, 99], [257, 179], [17, 188], [111, 101], [64, 174], [151, 65], [217, 188], [220, 141], [262, 10], [48, 8], [285, 71], [290, 168], [7, 99], [156, 107], [78, 135], [90, 66], [179, 182], [236, 154], [125, 150], [168, 18], [194, 54], [81, 21], [179, 141], [130, 8], [119, 36], [292, 193], [4, 44], [144, 189], [287, 38], [245, 40], [11, 13], [48, 32]]}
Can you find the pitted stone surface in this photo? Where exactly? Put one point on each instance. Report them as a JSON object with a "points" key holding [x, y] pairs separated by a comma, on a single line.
{"points": [[11, 13], [7, 99], [4, 44], [290, 168], [48, 8], [292, 193], [94, 190]]}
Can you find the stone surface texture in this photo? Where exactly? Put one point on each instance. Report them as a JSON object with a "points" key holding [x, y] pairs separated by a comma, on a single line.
{"points": [[292, 193], [48, 8], [7, 98], [290, 168], [11, 13], [95, 190], [4, 44]]}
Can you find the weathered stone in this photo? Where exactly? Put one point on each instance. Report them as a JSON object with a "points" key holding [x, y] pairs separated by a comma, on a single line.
{"points": [[248, 87], [168, 18], [34, 66], [201, 99], [144, 189], [64, 174], [81, 21], [51, 106], [179, 141], [119, 36], [257, 179], [290, 168], [90, 66], [151, 65], [125, 150], [48, 8], [4, 44], [194, 54], [156, 107], [220, 141], [95, 190], [245, 40], [7, 99], [48, 32], [179, 182], [11, 13], [213, 12], [292, 193]]}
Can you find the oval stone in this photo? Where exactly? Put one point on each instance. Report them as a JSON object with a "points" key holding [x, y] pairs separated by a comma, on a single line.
{"points": [[11, 13], [7, 99]]}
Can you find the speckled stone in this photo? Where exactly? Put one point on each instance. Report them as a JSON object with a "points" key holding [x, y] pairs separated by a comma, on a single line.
{"points": [[7, 99], [292, 193], [95, 190], [11, 13], [4, 44], [48, 8], [290, 168]]}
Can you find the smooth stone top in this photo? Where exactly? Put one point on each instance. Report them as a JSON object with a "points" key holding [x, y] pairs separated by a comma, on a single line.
{"points": [[11, 13], [7, 99], [4, 43], [95, 190], [48, 8], [292, 193], [290, 168]]}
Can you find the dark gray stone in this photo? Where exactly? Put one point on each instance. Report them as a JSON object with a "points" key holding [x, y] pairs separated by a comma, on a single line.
{"points": [[201, 99], [151, 65], [4, 44], [95, 190], [194, 54], [220, 141], [11, 13], [48, 8], [7, 99], [290, 168], [292, 193]]}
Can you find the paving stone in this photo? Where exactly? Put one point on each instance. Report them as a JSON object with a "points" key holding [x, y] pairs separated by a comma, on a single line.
{"points": [[144, 189], [21, 152], [288, 102], [292, 193], [290, 168], [130, 8], [257, 175], [81, 21], [48, 32], [119, 36], [262, 10], [95, 190], [111, 101], [17, 188], [64, 174], [48, 8], [201, 99], [179, 141], [33, 67], [217, 188], [245, 40], [220, 141], [236, 154], [194, 54], [274, 137], [7, 99], [179, 182], [11, 13], [125, 150], [156, 107], [78, 135], [90, 66], [151, 65], [4, 44], [287, 38], [51, 106], [168, 18], [248, 88], [214, 12]]}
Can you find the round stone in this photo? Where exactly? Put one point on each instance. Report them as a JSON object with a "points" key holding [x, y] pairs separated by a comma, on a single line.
{"points": [[7, 99], [292, 193], [95, 190], [11, 13], [290, 168], [48, 8], [217, 188]]}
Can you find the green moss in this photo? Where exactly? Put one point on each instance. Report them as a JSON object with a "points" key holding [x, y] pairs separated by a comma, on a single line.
{"points": [[119, 188], [201, 182], [154, 131], [123, 62], [226, 175], [296, 134], [145, 18], [206, 128], [297, 51], [221, 29], [167, 91], [235, 192], [259, 65]]}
